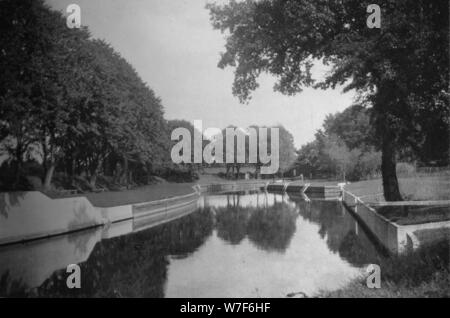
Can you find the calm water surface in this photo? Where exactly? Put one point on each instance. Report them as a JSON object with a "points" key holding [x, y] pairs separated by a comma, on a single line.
{"points": [[234, 245]]}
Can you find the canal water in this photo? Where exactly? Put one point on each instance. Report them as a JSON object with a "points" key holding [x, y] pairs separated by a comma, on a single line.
{"points": [[235, 245]]}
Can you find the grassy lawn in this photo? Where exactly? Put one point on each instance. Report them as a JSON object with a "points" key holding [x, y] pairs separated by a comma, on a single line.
{"points": [[423, 188], [138, 195], [436, 287], [410, 214], [419, 188], [423, 273], [426, 237]]}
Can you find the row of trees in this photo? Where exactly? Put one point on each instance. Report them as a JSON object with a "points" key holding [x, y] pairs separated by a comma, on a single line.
{"points": [[233, 159], [71, 102], [286, 150], [400, 70], [343, 148], [72, 107]]}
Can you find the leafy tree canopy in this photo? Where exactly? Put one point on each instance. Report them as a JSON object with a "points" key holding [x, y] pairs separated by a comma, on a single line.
{"points": [[400, 69]]}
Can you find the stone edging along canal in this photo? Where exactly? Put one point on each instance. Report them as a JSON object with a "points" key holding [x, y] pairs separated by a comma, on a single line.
{"points": [[32, 215], [395, 237], [28, 216]]}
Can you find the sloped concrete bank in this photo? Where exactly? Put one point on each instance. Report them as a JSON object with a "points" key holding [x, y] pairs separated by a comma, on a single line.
{"points": [[27, 216], [396, 238]]}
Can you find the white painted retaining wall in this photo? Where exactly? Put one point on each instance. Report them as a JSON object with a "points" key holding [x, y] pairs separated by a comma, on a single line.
{"points": [[385, 231], [396, 238], [117, 213], [30, 215]]}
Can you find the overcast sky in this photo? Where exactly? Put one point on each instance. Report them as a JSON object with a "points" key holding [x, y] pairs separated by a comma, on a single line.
{"points": [[174, 48]]}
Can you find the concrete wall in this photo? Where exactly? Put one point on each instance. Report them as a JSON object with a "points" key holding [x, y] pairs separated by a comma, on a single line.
{"points": [[117, 213], [386, 232], [29, 215], [396, 238], [154, 217]]}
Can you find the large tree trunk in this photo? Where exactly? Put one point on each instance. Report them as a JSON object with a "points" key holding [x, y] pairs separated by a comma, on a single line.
{"points": [[149, 171], [388, 170], [70, 166], [95, 170], [343, 173], [44, 159], [17, 174], [49, 165], [125, 178], [49, 176], [93, 181], [18, 167]]}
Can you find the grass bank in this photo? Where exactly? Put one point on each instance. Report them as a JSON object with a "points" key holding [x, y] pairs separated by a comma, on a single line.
{"points": [[413, 214], [418, 188], [141, 194], [422, 273]]}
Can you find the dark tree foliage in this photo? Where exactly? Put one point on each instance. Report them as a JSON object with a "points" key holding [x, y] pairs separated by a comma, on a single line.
{"points": [[286, 149], [352, 126], [184, 171], [343, 148], [72, 102], [400, 70]]}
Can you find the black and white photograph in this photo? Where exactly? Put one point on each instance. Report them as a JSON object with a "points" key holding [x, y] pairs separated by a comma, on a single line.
{"points": [[247, 151]]}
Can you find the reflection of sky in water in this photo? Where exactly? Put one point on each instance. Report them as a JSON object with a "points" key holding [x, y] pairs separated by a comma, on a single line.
{"points": [[219, 269], [30, 264]]}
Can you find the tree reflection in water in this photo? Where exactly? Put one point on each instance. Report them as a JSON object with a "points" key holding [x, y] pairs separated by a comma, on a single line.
{"points": [[268, 226], [341, 231], [272, 228], [12, 287], [133, 265], [232, 220]]}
